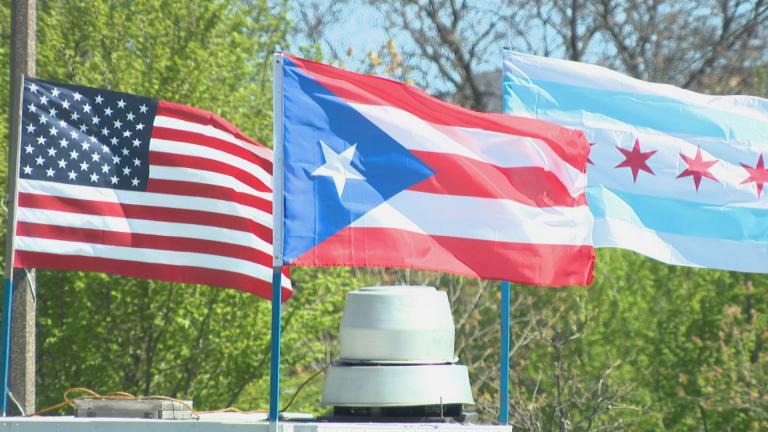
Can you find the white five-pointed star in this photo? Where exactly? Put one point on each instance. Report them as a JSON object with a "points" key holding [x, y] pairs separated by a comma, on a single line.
{"points": [[27, 169], [31, 128], [72, 174], [99, 99], [143, 108], [120, 103], [55, 92], [338, 166]]}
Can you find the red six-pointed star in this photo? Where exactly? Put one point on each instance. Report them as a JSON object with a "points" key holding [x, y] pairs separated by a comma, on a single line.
{"points": [[758, 174], [636, 160], [697, 168]]}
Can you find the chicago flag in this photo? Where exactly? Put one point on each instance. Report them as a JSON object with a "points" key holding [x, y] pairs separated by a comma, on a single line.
{"points": [[675, 175], [380, 174]]}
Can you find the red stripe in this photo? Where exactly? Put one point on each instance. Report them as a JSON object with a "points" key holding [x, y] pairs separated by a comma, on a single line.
{"points": [[569, 144], [211, 142], [205, 164], [205, 190], [459, 175], [532, 264], [188, 113], [165, 272], [144, 241], [136, 211]]}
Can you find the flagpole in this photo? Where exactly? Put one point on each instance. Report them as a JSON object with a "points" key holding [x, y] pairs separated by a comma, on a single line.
{"points": [[504, 357], [277, 240], [10, 246]]}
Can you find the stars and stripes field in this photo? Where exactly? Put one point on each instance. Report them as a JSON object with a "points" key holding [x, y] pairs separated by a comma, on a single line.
{"points": [[128, 185]]}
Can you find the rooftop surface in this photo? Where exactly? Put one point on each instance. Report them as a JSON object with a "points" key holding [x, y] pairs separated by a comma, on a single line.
{"points": [[221, 422]]}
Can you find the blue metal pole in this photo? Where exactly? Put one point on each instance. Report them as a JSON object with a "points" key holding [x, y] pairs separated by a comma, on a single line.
{"points": [[504, 358], [5, 340], [274, 367]]}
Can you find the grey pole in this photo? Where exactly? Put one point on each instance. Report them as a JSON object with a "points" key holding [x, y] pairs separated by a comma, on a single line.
{"points": [[22, 361]]}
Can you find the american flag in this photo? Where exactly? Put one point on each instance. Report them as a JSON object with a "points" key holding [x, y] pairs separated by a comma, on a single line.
{"points": [[123, 184]]}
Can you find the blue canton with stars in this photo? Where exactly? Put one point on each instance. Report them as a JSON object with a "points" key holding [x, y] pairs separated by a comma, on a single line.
{"points": [[85, 136]]}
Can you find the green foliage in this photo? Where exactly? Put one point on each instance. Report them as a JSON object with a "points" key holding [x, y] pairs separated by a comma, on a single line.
{"points": [[646, 347]]}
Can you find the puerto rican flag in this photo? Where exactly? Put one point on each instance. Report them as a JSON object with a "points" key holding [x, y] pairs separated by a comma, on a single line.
{"points": [[377, 173]]}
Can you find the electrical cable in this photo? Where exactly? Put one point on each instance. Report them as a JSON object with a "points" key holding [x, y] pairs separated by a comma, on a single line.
{"points": [[120, 395], [298, 390], [15, 402], [114, 396]]}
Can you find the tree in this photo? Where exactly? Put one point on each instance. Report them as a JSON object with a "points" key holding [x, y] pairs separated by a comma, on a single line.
{"points": [[145, 337], [648, 346]]}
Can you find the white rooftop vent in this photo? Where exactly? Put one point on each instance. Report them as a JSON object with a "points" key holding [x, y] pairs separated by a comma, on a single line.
{"points": [[397, 357]]}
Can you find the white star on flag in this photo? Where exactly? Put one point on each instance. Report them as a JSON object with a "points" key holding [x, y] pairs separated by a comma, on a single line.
{"points": [[338, 166]]}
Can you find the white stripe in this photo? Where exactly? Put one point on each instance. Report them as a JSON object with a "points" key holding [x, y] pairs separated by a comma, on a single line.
{"points": [[151, 256], [208, 130], [145, 198], [481, 219], [667, 164], [142, 226], [592, 76], [682, 250], [205, 177], [202, 151], [502, 150]]}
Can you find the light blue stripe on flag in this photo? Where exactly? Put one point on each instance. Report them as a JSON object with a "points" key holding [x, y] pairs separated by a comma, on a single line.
{"points": [[676, 175], [545, 99]]}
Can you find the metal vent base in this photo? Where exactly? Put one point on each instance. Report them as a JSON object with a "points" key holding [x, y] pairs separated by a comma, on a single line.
{"points": [[450, 413]]}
